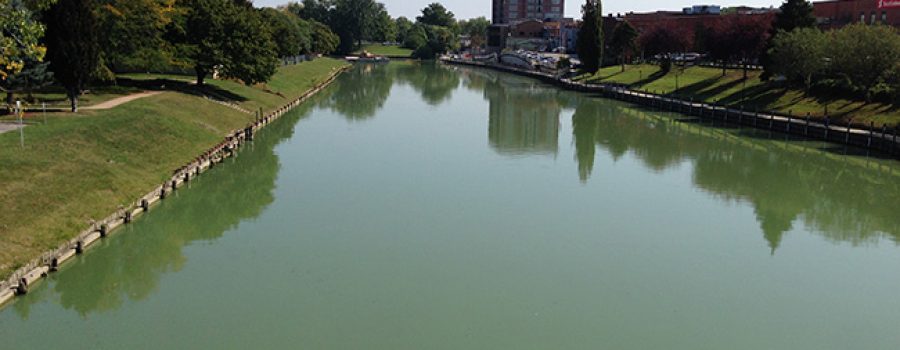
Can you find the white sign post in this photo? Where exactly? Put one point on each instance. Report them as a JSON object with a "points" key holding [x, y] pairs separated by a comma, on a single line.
{"points": [[21, 127]]}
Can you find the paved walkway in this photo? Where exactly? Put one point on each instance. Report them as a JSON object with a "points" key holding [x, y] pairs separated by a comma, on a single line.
{"points": [[10, 126], [7, 126], [121, 100]]}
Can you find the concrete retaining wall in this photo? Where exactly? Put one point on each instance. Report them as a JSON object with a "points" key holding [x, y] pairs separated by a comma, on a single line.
{"points": [[874, 138], [19, 281]]}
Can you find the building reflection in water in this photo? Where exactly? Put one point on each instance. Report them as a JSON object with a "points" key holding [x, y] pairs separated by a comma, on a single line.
{"points": [[523, 114]]}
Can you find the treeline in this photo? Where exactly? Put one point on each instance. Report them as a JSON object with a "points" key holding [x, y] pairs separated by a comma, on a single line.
{"points": [[434, 32], [859, 59], [75, 42]]}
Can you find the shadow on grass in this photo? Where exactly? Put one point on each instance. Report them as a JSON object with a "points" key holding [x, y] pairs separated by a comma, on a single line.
{"points": [[649, 79], [205, 90]]}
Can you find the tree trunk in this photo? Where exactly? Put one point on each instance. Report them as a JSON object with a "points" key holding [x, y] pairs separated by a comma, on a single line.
{"points": [[10, 101], [73, 99], [201, 75]]}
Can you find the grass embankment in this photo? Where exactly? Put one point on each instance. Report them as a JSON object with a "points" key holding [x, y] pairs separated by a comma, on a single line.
{"points": [[386, 50], [709, 85], [80, 167]]}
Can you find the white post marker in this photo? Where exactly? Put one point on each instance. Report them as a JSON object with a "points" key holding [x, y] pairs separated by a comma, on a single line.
{"points": [[21, 127]]}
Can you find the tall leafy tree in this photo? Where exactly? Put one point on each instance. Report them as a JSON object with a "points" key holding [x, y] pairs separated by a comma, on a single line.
{"points": [[133, 32], [416, 37], [738, 39], [21, 52], [792, 14], [403, 25], [865, 56], [317, 10], [226, 35], [799, 55], [665, 39], [623, 42], [437, 15], [73, 44], [290, 37], [476, 29], [385, 29], [20, 35], [590, 37], [437, 40], [34, 76], [323, 39], [351, 20], [251, 50]]}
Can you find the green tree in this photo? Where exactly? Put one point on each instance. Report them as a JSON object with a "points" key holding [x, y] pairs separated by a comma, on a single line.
{"points": [[225, 35], [416, 37], [133, 33], [34, 76], [290, 37], [385, 29], [476, 29], [590, 37], [351, 20], [438, 40], [623, 42], [437, 15], [792, 14], [73, 44], [403, 25], [799, 55], [865, 56], [21, 53], [324, 41], [317, 10]]}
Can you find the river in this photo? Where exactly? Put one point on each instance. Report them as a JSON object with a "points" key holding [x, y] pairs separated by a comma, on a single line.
{"points": [[421, 206]]}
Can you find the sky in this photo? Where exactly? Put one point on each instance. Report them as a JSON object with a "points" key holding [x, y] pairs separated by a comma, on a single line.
{"points": [[475, 8]]}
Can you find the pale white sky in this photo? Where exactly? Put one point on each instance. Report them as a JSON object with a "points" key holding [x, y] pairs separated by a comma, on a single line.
{"points": [[475, 8]]}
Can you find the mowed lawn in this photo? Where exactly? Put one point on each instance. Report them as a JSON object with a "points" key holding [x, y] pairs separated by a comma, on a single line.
{"points": [[387, 50], [82, 167], [709, 85]]}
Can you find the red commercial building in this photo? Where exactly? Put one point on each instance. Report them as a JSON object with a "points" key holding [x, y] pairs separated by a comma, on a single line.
{"points": [[512, 11], [838, 13]]}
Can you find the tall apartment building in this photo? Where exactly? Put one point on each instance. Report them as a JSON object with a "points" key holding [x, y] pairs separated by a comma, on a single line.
{"points": [[511, 11]]}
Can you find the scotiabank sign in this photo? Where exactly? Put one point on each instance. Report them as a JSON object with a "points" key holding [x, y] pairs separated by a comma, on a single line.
{"points": [[884, 4]]}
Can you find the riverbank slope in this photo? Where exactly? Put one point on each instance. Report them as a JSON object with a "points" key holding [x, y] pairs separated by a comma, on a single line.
{"points": [[81, 167], [734, 90]]}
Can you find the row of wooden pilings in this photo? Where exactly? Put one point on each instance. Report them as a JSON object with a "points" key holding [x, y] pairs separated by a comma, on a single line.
{"points": [[872, 137], [20, 282]]}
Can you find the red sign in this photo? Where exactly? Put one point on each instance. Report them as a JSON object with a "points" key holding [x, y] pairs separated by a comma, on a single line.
{"points": [[885, 4]]}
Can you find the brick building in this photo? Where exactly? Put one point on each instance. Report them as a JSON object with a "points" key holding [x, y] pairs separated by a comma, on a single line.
{"points": [[838, 13], [512, 11]]}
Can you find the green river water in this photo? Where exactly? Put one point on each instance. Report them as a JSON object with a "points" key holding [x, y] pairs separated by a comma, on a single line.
{"points": [[421, 206]]}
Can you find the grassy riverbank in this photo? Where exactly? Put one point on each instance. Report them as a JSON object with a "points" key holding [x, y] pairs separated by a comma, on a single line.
{"points": [[79, 167], [708, 84], [385, 50]]}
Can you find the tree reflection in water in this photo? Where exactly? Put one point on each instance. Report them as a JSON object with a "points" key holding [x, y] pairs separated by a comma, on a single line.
{"points": [[129, 265], [847, 199]]}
